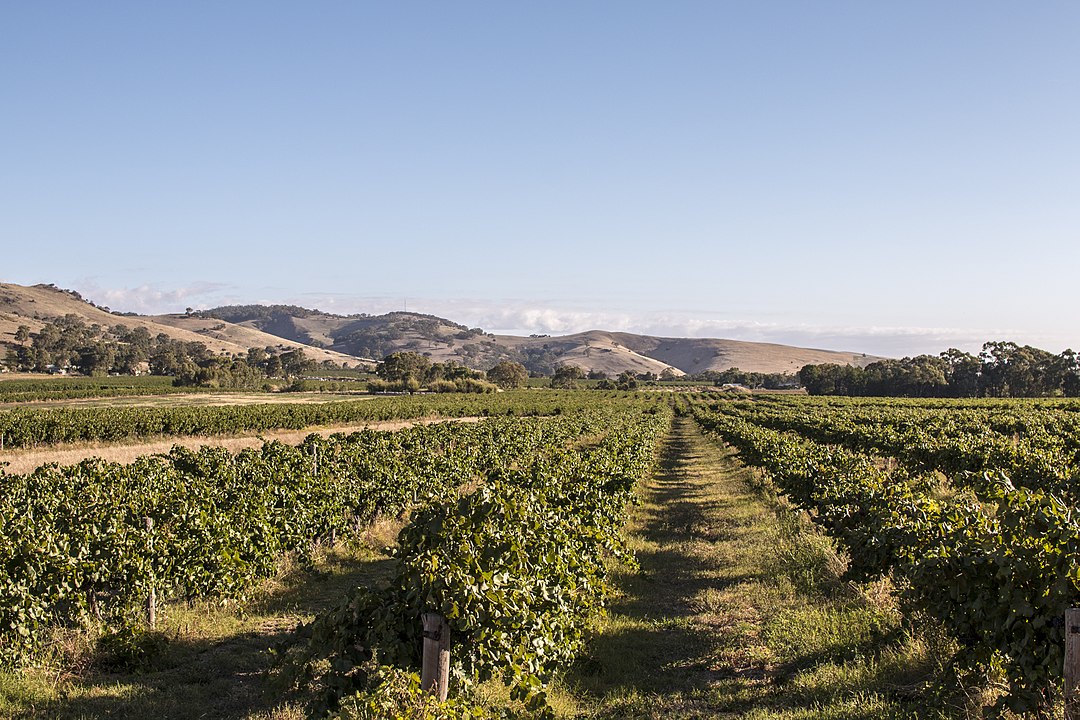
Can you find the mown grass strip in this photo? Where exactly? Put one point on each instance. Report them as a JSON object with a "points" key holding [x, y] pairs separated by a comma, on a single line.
{"points": [[738, 611]]}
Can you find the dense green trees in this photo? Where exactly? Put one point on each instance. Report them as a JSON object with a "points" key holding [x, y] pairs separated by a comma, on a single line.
{"points": [[508, 375], [68, 343], [1002, 369], [410, 372], [566, 377], [403, 366], [735, 376]]}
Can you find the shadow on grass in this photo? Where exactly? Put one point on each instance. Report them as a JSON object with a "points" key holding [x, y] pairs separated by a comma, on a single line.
{"points": [[217, 665], [684, 640], [659, 649]]}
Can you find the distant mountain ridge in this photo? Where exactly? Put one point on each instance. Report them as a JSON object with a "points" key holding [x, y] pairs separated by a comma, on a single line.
{"points": [[375, 336], [363, 338]]}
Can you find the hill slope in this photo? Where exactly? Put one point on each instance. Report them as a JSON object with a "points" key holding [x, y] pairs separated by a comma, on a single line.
{"points": [[348, 338], [442, 340], [35, 305], [694, 355]]}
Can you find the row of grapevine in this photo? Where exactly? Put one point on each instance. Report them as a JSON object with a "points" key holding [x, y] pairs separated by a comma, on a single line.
{"points": [[75, 542], [997, 570], [29, 426], [1037, 448], [71, 388], [516, 567]]}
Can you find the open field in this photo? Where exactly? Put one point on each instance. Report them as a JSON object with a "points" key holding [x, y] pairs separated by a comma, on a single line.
{"points": [[36, 426]]}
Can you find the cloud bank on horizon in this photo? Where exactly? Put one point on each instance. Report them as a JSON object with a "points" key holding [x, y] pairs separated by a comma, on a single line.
{"points": [[553, 317]]}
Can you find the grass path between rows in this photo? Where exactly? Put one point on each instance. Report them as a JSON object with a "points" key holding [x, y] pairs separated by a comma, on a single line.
{"points": [[738, 611]]}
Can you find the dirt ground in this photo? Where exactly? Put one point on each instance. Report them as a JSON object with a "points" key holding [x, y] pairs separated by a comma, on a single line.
{"points": [[27, 460]]}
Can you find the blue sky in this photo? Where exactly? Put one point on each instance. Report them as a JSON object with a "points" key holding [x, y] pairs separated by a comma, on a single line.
{"points": [[890, 178]]}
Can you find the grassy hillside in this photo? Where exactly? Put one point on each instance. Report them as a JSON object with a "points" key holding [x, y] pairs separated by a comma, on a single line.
{"points": [[694, 355], [375, 336], [347, 338], [35, 305]]}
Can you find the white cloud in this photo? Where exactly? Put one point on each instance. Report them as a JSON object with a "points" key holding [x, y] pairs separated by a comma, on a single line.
{"points": [[522, 317], [148, 299]]}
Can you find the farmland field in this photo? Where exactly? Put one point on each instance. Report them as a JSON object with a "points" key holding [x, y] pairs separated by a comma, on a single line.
{"points": [[769, 556]]}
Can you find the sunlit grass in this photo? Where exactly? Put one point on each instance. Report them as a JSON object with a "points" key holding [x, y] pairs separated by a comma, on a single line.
{"points": [[740, 611], [204, 660]]}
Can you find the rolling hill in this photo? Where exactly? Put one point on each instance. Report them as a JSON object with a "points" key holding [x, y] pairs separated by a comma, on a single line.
{"points": [[375, 336], [35, 305], [355, 338]]}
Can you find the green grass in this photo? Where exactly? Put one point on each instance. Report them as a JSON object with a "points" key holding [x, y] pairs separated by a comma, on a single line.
{"points": [[201, 662], [739, 611]]}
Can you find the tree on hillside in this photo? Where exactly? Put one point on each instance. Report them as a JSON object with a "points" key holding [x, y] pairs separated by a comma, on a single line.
{"points": [[626, 381], [449, 370], [296, 362], [508, 374], [22, 334], [566, 377], [403, 366], [256, 357], [96, 358]]}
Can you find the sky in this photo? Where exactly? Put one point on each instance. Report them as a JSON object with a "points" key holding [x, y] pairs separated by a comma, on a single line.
{"points": [[890, 178]]}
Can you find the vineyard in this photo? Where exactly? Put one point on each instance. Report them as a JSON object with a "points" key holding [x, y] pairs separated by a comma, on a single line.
{"points": [[968, 506], [511, 527], [22, 427], [518, 515]]}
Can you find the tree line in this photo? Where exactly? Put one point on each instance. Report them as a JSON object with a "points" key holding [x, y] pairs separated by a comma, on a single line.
{"points": [[1001, 369], [411, 372], [69, 343]]}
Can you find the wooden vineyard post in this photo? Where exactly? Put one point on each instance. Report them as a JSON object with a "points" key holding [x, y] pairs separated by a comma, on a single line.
{"points": [[435, 673], [1072, 663], [151, 599]]}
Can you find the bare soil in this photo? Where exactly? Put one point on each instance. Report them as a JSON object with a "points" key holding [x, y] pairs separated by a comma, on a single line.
{"points": [[27, 460]]}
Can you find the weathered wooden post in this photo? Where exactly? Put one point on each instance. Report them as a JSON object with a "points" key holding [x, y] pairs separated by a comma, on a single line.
{"points": [[151, 599], [435, 673], [1072, 663]]}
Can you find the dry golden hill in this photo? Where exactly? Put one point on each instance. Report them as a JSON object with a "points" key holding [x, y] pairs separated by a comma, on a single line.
{"points": [[325, 336], [594, 350], [35, 305], [376, 336], [694, 355]]}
